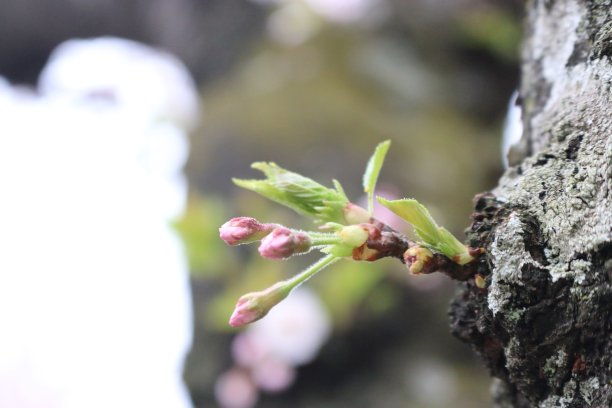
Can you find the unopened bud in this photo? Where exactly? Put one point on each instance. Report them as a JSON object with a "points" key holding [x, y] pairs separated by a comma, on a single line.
{"points": [[416, 258], [354, 235], [469, 255], [255, 305], [282, 243], [363, 252], [354, 214], [243, 230], [480, 281]]}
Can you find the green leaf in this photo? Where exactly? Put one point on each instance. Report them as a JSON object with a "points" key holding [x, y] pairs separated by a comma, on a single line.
{"points": [[416, 214], [373, 170], [299, 193], [433, 236]]}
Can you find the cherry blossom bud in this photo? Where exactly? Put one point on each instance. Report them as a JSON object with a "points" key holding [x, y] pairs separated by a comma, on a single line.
{"points": [[354, 235], [255, 305], [364, 252], [282, 243], [354, 214], [417, 258], [480, 281], [243, 230]]}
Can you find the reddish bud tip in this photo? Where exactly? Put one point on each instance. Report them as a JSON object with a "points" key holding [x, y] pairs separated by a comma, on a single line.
{"points": [[244, 313], [282, 243], [474, 252], [255, 305], [242, 230]]}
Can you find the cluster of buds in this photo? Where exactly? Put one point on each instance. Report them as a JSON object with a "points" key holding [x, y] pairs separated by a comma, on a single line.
{"points": [[277, 242], [350, 231], [366, 241], [346, 231]]}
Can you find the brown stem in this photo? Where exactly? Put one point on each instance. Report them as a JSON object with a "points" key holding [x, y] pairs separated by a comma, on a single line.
{"points": [[384, 241]]}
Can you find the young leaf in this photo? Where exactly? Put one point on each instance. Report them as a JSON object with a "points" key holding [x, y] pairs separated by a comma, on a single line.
{"points": [[416, 214], [433, 236], [373, 170], [299, 193]]}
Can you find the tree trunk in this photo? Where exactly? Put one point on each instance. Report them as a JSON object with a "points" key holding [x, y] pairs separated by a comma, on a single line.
{"points": [[543, 323]]}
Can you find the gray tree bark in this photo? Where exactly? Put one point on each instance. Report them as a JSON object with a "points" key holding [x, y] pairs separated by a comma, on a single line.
{"points": [[543, 324]]}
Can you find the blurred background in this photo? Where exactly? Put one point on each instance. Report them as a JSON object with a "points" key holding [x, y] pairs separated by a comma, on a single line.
{"points": [[312, 85]]}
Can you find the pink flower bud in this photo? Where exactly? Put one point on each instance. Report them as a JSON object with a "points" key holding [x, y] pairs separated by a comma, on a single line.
{"points": [[243, 230], [255, 305], [282, 242]]}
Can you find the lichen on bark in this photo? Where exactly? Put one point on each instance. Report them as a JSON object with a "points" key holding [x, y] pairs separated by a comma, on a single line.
{"points": [[543, 324]]}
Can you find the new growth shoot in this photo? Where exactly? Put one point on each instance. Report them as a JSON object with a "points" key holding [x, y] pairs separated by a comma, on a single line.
{"points": [[346, 231]]}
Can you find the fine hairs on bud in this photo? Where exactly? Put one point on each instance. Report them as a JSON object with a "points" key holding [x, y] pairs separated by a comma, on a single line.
{"points": [[243, 230], [255, 305], [283, 242]]}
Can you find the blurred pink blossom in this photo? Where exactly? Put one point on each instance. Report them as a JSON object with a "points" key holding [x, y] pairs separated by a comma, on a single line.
{"points": [[235, 389], [295, 330], [290, 336], [273, 375]]}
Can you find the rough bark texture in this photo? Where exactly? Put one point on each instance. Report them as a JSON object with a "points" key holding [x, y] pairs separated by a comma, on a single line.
{"points": [[543, 324]]}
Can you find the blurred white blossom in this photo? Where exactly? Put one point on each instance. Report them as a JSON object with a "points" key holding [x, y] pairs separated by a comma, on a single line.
{"points": [[273, 375], [295, 330], [142, 79], [95, 307], [513, 128], [293, 22], [432, 383], [346, 11]]}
